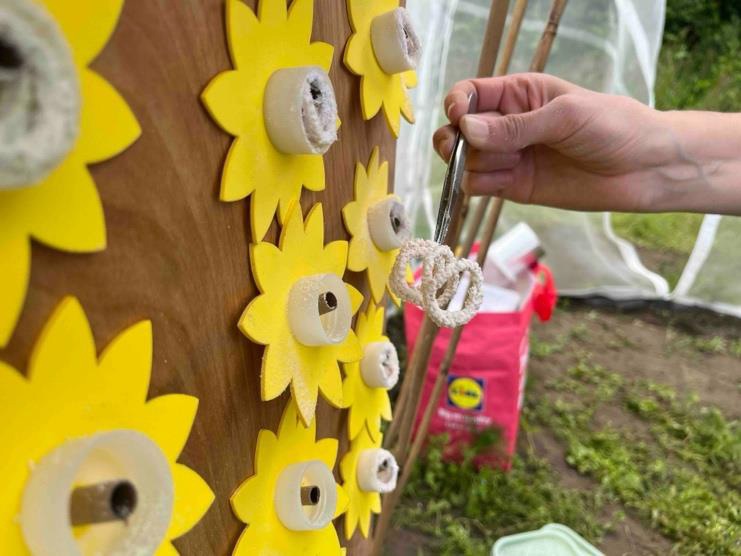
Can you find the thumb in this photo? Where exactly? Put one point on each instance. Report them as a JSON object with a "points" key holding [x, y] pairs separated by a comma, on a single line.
{"points": [[513, 132]]}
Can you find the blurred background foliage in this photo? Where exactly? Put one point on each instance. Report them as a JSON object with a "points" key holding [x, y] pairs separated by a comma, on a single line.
{"points": [[699, 69]]}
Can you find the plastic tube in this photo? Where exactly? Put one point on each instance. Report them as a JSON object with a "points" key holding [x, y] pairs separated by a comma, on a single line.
{"points": [[377, 470], [39, 94], [380, 365], [300, 110], [395, 42], [388, 224], [112, 455], [292, 512], [310, 321]]}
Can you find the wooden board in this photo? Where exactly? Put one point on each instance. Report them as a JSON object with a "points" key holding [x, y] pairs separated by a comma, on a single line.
{"points": [[177, 255]]}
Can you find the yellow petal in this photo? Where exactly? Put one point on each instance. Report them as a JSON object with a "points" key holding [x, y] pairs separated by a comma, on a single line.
{"points": [[376, 503], [64, 211], [342, 501], [355, 423], [168, 420], [335, 255], [356, 298], [285, 206], [12, 384], [243, 499], [351, 521], [272, 11], [304, 389], [265, 261], [241, 26], [87, 24], [230, 100], [322, 52], [331, 385], [166, 549], [64, 354], [262, 210], [15, 252], [377, 278], [393, 119], [107, 125], [350, 350], [258, 322], [125, 364], [192, 498], [275, 377], [365, 518], [300, 18], [314, 226]]}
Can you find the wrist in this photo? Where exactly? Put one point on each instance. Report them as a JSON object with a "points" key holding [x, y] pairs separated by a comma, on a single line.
{"points": [[700, 166]]}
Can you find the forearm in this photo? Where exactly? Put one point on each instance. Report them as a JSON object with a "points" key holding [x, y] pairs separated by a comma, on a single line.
{"points": [[702, 167]]}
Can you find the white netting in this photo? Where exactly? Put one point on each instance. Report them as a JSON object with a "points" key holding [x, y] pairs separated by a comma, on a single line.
{"points": [[605, 45]]}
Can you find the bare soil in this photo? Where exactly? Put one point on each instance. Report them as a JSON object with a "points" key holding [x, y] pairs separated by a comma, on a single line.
{"points": [[684, 349]]}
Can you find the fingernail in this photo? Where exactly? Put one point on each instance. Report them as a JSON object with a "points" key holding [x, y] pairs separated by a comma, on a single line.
{"points": [[475, 128], [457, 99], [444, 148]]}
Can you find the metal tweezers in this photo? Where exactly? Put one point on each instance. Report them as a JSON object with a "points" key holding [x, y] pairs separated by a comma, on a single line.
{"points": [[451, 196]]}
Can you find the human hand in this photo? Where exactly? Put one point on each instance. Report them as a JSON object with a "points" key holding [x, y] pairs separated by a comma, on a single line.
{"points": [[539, 139]]}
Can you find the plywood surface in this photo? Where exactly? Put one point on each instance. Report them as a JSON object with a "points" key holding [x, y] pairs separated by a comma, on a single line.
{"points": [[177, 255]]}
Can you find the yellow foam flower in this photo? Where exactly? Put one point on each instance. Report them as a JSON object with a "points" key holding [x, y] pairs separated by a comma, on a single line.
{"points": [[63, 210], [367, 405], [371, 186], [70, 392], [377, 88], [259, 45], [253, 502], [301, 252], [360, 503]]}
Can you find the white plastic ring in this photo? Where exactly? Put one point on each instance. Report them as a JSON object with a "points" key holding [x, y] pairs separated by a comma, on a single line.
{"points": [[292, 513], [395, 42], [380, 365], [309, 324], [39, 94], [300, 110], [117, 454], [377, 470], [388, 224]]}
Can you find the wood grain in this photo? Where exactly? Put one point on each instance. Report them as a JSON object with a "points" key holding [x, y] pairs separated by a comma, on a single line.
{"points": [[177, 255]]}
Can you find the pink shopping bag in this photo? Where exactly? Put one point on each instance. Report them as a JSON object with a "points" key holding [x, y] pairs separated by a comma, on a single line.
{"points": [[485, 386]]}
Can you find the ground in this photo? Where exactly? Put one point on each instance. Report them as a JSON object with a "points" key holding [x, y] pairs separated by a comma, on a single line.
{"points": [[630, 435]]}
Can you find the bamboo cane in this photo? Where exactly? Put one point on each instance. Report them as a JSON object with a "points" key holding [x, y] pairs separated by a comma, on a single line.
{"points": [[428, 331], [538, 63]]}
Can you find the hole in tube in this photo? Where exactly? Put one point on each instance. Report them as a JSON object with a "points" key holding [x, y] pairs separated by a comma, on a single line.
{"points": [[10, 58], [384, 471], [123, 500], [327, 302]]}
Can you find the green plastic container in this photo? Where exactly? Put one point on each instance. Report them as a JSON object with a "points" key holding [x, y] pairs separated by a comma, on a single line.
{"points": [[553, 539]]}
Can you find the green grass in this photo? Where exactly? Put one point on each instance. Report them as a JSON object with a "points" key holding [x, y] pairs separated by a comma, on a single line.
{"points": [[681, 472], [466, 509], [673, 463]]}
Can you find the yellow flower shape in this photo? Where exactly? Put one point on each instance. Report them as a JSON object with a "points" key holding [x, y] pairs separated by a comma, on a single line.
{"points": [[371, 186], [63, 210], [253, 501], [301, 253], [367, 405], [377, 88], [259, 45], [360, 503], [70, 392]]}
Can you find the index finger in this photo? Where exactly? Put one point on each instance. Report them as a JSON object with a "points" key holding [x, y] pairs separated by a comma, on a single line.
{"points": [[509, 94]]}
